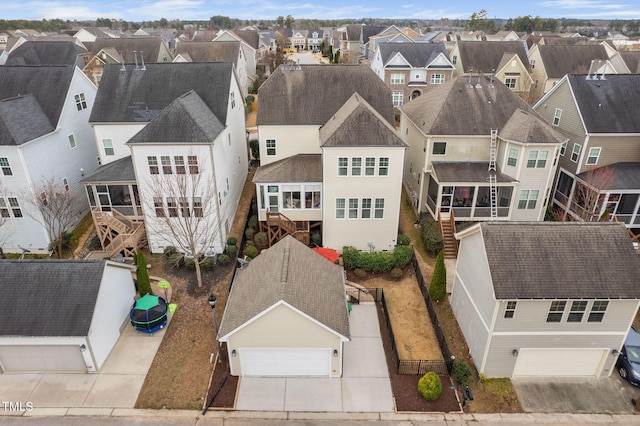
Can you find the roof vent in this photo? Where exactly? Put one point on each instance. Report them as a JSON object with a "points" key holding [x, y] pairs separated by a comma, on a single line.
{"points": [[135, 55], [478, 85], [284, 272], [142, 59], [470, 76], [122, 68]]}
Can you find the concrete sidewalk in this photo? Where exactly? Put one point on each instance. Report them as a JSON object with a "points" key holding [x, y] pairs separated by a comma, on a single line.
{"points": [[116, 385], [363, 387]]}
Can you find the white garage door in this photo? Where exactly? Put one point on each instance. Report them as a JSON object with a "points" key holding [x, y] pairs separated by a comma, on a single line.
{"points": [[285, 362], [42, 358], [560, 362]]}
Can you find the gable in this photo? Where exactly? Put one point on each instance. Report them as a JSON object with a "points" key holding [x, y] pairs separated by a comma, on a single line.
{"points": [[398, 60], [440, 61]]}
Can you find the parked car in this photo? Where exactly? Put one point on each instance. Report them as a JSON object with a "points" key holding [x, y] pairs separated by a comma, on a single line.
{"points": [[628, 363]]}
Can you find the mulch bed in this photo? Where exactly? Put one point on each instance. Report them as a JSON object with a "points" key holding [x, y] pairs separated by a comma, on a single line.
{"points": [[404, 387]]}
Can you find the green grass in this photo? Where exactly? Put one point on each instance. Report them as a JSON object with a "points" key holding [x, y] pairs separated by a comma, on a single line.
{"points": [[85, 223], [501, 389]]}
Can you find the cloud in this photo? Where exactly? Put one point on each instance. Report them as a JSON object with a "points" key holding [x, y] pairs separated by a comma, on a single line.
{"points": [[582, 4]]}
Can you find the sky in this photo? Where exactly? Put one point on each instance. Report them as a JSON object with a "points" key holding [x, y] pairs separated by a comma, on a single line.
{"points": [[185, 10]]}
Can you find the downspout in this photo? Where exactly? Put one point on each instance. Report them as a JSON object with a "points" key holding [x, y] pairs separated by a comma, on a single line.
{"points": [[217, 194]]}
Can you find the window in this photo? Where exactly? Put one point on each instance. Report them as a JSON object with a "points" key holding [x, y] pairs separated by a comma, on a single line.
{"points": [[366, 208], [397, 78], [312, 196], [197, 206], [184, 207], [353, 208], [157, 205], [563, 147], [107, 144], [439, 148], [233, 100], [537, 159], [153, 165], [340, 208], [556, 310], [72, 141], [65, 183], [383, 166], [437, 78], [271, 147], [180, 169], [291, 196], [370, 166], [556, 117], [397, 98], [81, 102], [510, 82], [528, 199], [513, 156], [594, 154], [4, 211], [6, 168], [356, 166], [166, 164], [598, 309], [343, 166], [577, 311], [15, 207], [510, 310], [532, 62], [454, 59], [379, 208], [575, 153], [193, 164], [172, 206]]}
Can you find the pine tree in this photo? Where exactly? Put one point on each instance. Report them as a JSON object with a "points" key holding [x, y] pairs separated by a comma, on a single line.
{"points": [[438, 285]]}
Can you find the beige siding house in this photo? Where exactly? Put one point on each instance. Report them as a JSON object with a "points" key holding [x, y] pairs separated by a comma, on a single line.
{"points": [[599, 167], [528, 306], [331, 159], [286, 315]]}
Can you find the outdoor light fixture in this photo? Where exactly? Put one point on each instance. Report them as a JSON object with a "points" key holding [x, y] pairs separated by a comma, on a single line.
{"points": [[335, 352], [83, 348], [615, 352], [233, 352], [514, 352]]}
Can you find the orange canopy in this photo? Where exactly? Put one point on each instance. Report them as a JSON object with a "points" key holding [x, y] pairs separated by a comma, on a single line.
{"points": [[330, 254]]}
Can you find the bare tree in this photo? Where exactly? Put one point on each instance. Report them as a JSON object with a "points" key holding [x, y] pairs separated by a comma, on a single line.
{"points": [[4, 222], [186, 214], [59, 209], [587, 198]]}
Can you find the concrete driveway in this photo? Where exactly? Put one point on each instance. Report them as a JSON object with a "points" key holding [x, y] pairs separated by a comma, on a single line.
{"points": [[610, 395], [363, 387], [117, 385]]}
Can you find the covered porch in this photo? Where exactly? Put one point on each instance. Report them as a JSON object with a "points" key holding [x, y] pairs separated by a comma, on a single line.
{"points": [[464, 189]]}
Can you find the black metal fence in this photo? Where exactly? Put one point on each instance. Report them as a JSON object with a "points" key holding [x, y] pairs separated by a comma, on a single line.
{"points": [[243, 241]]}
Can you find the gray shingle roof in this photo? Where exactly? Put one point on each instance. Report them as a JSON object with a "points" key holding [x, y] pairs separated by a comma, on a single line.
{"points": [[616, 176], [48, 297], [296, 168], [48, 84], [485, 56], [22, 120], [419, 55], [210, 51], [291, 272], [561, 59], [632, 59], [251, 37], [313, 93], [439, 110], [45, 53], [610, 105], [117, 171], [149, 46], [138, 96], [187, 119], [561, 260], [356, 123], [466, 171], [527, 127]]}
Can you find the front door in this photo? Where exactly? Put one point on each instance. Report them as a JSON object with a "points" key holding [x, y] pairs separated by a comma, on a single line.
{"points": [[104, 199], [273, 203]]}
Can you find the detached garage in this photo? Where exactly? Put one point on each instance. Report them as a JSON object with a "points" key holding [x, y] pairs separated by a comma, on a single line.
{"points": [[545, 299], [61, 315], [286, 315]]}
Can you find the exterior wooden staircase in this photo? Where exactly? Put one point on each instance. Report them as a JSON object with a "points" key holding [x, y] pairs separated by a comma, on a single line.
{"points": [[118, 233], [279, 226], [448, 229]]}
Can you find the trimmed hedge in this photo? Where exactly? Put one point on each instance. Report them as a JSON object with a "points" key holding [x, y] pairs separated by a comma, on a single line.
{"points": [[377, 262], [142, 274], [404, 240], [250, 251], [461, 373], [223, 260]]}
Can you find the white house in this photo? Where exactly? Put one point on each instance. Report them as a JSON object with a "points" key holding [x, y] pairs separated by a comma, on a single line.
{"points": [[44, 136], [331, 159], [550, 299], [62, 315]]}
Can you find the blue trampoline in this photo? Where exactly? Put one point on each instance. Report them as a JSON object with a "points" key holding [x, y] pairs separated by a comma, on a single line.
{"points": [[149, 313]]}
